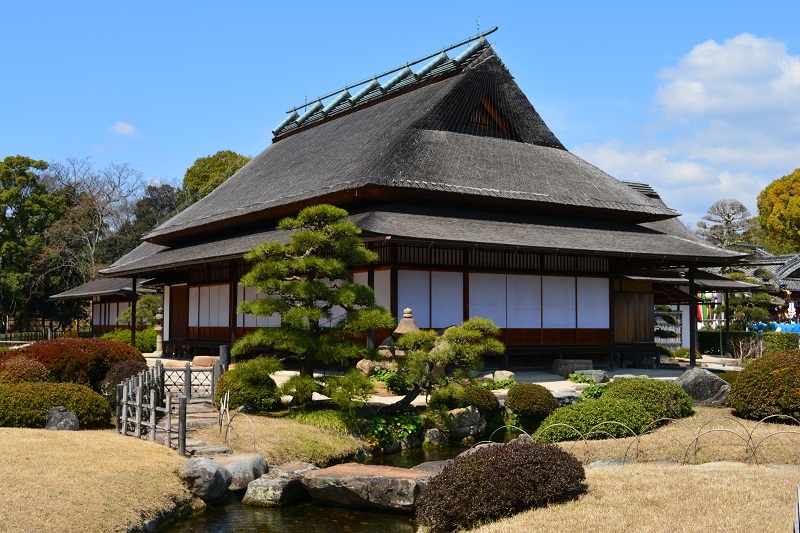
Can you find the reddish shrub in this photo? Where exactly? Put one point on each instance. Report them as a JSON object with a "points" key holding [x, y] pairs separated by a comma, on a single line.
{"points": [[84, 361], [20, 369]]}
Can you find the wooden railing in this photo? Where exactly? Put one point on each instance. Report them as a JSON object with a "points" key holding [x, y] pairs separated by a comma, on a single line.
{"points": [[146, 402], [797, 512]]}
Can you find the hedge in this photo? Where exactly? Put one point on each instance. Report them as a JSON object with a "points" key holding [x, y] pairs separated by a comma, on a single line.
{"points": [[26, 404]]}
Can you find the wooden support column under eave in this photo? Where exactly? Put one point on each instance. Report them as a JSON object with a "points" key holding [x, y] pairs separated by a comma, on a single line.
{"points": [[692, 319], [133, 312]]}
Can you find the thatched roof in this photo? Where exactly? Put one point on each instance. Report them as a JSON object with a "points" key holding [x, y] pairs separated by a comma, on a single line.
{"points": [[423, 144]]}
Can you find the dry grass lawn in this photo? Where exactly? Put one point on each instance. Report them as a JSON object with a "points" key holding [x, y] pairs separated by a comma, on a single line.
{"points": [[279, 440], [80, 481], [659, 498]]}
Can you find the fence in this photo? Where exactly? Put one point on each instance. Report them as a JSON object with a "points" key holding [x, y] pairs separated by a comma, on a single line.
{"points": [[155, 394], [797, 512]]}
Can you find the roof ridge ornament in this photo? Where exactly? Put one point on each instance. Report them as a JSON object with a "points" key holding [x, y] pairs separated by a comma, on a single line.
{"points": [[371, 87]]}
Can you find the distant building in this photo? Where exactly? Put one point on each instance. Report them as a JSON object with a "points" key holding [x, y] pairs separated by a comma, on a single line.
{"points": [[473, 205]]}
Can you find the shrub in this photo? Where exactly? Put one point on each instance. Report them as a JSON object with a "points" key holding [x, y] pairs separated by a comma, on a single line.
{"points": [[455, 396], [384, 430], [779, 341], [301, 389], [770, 385], [531, 402], [593, 392], [662, 399], [580, 378], [21, 369], [681, 352], [709, 342], [350, 391], [729, 377], [83, 361], [145, 339], [249, 383], [119, 373], [26, 404], [395, 382], [497, 385], [595, 419], [498, 481]]}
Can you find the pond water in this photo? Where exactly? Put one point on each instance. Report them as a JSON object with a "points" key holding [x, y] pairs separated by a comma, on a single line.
{"points": [[231, 516]]}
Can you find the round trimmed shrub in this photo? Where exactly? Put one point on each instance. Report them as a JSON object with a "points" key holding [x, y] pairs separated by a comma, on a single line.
{"points": [[499, 481], [83, 361], [595, 419], [484, 399], [250, 384], [25, 405], [21, 369], [662, 399], [531, 402], [446, 398], [770, 385], [301, 389]]}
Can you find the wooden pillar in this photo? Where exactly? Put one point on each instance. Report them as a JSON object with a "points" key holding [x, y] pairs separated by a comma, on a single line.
{"points": [[371, 285], [133, 312], [234, 299], [727, 323], [692, 319]]}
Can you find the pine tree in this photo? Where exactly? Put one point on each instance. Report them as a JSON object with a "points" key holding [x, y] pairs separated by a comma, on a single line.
{"points": [[309, 283]]}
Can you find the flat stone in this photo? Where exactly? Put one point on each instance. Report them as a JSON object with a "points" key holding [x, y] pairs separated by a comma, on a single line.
{"points": [[212, 450], [281, 486], [565, 398], [598, 376], [384, 488], [204, 361], [565, 367], [502, 375]]}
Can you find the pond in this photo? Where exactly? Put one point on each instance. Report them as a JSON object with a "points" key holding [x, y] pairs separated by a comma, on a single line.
{"points": [[231, 516]]}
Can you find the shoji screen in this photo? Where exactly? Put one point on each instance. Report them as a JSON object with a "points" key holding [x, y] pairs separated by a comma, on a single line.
{"points": [[487, 297], [593, 304], [524, 301], [447, 299], [558, 302], [414, 291]]}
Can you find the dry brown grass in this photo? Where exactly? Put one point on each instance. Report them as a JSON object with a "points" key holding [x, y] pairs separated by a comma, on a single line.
{"points": [[650, 498], [711, 434], [279, 440], [83, 481]]}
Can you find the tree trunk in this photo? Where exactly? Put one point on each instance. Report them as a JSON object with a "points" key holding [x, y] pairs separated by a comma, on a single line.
{"points": [[401, 404], [307, 365]]}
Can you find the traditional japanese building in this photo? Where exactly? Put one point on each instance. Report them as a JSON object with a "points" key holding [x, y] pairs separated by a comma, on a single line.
{"points": [[473, 205]]}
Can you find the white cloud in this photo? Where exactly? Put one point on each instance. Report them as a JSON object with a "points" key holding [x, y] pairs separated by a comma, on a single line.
{"points": [[728, 124], [123, 128]]}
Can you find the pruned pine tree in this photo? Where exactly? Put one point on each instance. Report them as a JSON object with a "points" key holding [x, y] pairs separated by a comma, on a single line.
{"points": [[309, 283], [727, 224]]}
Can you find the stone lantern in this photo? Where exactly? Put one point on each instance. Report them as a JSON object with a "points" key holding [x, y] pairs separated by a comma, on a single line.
{"points": [[159, 321]]}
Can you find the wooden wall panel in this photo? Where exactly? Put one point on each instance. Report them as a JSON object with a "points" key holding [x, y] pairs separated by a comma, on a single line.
{"points": [[179, 312], [633, 317]]}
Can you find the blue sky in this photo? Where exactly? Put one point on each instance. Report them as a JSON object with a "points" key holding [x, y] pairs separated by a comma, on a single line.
{"points": [[699, 99]]}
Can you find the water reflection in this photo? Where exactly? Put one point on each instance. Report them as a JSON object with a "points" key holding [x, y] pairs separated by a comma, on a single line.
{"points": [[305, 518]]}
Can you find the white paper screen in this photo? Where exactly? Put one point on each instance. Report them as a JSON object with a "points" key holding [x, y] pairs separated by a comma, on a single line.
{"points": [[413, 291], [593, 306], [524, 301], [447, 299], [487, 297], [558, 302]]}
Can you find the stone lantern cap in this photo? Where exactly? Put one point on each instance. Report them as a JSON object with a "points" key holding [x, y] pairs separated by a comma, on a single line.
{"points": [[407, 324]]}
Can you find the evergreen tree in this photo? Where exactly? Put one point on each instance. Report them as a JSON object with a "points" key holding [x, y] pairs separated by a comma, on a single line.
{"points": [[309, 283]]}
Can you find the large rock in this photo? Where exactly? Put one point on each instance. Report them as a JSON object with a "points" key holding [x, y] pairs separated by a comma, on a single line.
{"points": [[434, 438], [704, 387], [281, 486], [59, 419], [597, 376], [502, 375], [383, 488], [565, 367], [465, 422], [205, 478], [244, 468]]}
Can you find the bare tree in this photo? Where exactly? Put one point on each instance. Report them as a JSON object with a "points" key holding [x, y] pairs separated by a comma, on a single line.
{"points": [[101, 201], [727, 224]]}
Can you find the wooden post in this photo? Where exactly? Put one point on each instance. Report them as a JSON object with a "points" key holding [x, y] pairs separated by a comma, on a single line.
{"points": [[168, 422], [692, 320], [182, 426], [133, 312], [187, 381], [160, 377], [152, 435], [137, 431], [119, 391], [125, 393]]}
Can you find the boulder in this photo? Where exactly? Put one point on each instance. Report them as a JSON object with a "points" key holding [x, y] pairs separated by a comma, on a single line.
{"points": [[383, 488], [432, 467], [705, 388], [565, 398], [281, 486], [205, 478], [244, 468], [367, 366], [434, 438], [465, 422], [204, 361], [565, 367], [502, 375], [59, 419]]}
